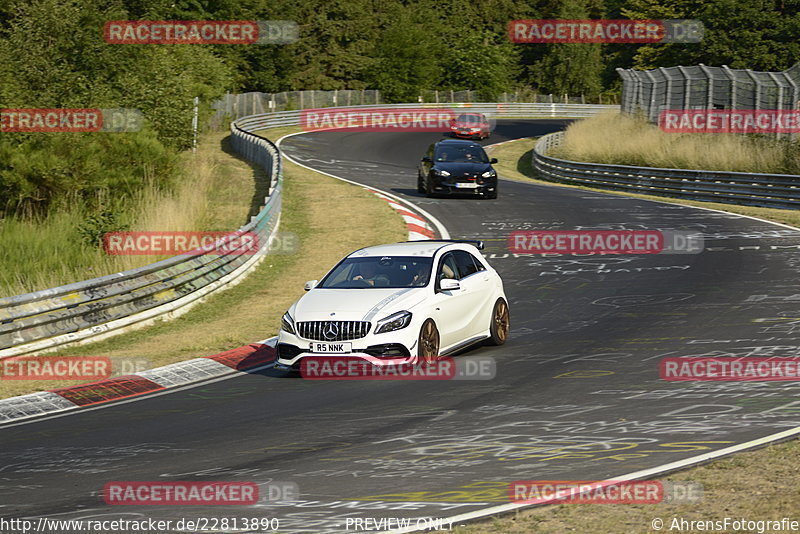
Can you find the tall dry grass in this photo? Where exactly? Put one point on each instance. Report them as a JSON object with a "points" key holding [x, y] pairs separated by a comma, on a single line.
{"points": [[38, 253], [623, 140]]}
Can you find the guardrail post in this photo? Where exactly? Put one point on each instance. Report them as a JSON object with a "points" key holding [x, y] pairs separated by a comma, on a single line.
{"points": [[652, 107], [779, 107], [687, 103], [709, 86], [734, 87], [757, 101]]}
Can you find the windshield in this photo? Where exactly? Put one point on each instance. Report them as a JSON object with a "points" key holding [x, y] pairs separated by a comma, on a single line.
{"points": [[379, 271], [461, 154], [470, 120]]}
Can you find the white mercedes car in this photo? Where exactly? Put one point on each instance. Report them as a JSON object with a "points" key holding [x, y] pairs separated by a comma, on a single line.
{"points": [[398, 303]]}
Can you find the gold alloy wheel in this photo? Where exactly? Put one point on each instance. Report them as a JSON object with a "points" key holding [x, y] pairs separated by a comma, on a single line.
{"points": [[429, 342], [501, 321]]}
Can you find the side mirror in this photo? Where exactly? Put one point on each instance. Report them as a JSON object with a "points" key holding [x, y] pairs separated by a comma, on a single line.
{"points": [[448, 284], [311, 284], [493, 160], [426, 159]]}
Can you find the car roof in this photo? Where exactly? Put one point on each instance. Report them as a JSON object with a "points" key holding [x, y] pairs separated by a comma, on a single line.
{"points": [[460, 142], [425, 248]]}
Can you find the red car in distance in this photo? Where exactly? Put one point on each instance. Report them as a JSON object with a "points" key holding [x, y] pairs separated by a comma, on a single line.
{"points": [[470, 126]]}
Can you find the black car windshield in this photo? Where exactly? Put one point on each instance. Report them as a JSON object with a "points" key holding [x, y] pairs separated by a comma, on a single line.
{"points": [[379, 272], [470, 119], [461, 154]]}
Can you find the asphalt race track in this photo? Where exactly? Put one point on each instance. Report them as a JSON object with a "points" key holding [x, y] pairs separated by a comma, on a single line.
{"points": [[577, 394]]}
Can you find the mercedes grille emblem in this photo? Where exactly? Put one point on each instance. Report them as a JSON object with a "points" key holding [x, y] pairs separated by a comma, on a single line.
{"points": [[330, 330]]}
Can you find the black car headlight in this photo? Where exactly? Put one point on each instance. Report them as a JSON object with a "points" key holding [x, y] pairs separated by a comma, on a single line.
{"points": [[441, 173], [287, 323], [396, 321], [489, 174]]}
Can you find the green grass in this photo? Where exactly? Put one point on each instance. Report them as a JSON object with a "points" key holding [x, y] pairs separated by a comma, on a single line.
{"points": [[619, 139], [215, 192]]}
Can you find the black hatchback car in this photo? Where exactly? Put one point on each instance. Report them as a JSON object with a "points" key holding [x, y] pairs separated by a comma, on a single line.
{"points": [[457, 166]]}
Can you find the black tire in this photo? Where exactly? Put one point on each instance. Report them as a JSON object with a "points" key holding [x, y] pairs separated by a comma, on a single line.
{"points": [[492, 195], [500, 323], [428, 342], [428, 187], [420, 185]]}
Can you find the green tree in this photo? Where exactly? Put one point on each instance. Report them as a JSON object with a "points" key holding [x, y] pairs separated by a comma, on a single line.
{"points": [[743, 34], [405, 63], [571, 68]]}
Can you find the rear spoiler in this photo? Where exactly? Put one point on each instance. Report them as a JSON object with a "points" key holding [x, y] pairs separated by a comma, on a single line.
{"points": [[475, 242]]}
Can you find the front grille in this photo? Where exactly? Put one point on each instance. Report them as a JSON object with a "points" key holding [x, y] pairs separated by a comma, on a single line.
{"points": [[344, 330]]}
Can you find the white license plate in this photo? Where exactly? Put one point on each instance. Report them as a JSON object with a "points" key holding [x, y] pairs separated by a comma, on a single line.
{"points": [[460, 185], [331, 348]]}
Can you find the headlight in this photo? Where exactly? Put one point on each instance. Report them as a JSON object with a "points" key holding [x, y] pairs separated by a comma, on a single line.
{"points": [[287, 323], [396, 321], [489, 174], [442, 173]]}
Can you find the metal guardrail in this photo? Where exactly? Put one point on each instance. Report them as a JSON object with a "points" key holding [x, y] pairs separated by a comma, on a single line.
{"points": [[236, 106], [91, 309], [752, 189], [511, 110], [97, 308]]}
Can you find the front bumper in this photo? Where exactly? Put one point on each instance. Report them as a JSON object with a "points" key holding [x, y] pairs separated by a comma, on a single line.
{"points": [[448, 186], [389, 348], [465, 134]]}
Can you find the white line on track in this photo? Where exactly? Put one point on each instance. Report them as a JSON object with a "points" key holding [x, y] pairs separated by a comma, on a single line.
{"points": [[637, 475]]}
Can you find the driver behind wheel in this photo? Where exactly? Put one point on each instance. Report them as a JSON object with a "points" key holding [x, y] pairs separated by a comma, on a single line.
{"points": [[368, 272]]}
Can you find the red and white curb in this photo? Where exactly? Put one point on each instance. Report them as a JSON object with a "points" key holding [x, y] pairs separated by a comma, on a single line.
{"points": [[418, 227], [178, 374]]}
